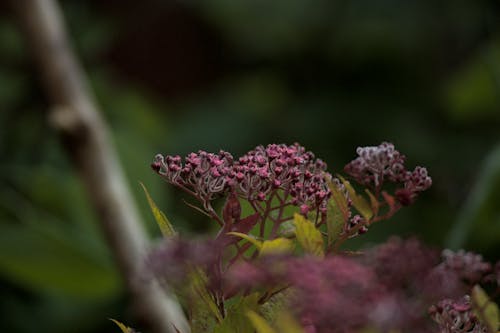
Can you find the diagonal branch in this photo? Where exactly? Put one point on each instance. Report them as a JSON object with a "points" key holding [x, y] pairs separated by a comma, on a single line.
{"points": [[86, 139]]}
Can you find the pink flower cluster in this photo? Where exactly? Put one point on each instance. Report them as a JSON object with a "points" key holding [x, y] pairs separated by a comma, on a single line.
{"points": [[378, 164], [254, 176], [290, 168], [205, 175]]}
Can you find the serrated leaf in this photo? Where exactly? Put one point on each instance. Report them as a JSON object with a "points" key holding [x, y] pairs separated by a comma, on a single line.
{"points": [[486, 310], [360, 203], [259, 323], [308, 236], [124, 328], [165, 226], [250, 238], [276, 246]]}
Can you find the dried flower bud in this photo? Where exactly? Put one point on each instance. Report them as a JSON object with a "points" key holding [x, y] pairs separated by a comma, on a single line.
{"points": [[418, 180], [456, 316]]}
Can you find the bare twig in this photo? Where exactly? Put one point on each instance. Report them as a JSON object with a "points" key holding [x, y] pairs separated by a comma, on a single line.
{"points": [[85, 136]]}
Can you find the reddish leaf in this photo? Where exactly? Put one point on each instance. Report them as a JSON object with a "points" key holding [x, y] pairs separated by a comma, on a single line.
{"points": [[391, 201], [232, 209], [242, 226]]}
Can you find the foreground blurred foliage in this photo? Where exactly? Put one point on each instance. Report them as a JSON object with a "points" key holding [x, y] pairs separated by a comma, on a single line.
{"points": [[232, 74], [293, 280]]}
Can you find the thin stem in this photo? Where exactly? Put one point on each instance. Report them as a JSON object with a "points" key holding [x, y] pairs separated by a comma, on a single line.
{"points": [[266, 213], [279, 219], [256, 208], [197, 208], [240, 253], [275, 229]]}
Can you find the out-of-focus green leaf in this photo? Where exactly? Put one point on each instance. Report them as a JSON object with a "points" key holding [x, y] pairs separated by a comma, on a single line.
{"points": [[276, 246], [259, 323], [308, 236], [285, 25], [473, 91], [235, 320], [199, 286], [44, 259], [285, 322], [125, 329], [275, 304], [486, 310], [165, 226], [12, 46], [478, 219], [358, 201]]}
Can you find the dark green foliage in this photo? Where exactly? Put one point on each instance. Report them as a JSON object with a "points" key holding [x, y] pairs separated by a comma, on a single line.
{"points": [[233, 74]]}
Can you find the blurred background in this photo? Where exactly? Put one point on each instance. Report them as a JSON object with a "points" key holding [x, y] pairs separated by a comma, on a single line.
{"points": [[178, 76]]}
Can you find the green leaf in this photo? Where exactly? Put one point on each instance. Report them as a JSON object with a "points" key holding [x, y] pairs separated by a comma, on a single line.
{"points": [[235, 320], [48, 259], [276, 246], [276, 303], [360, 203], [338, 213], [199, 288], [165, 226], [340, 200], [472, 92], [259, 323], [475, 221], [124, 328], [308, 236], [334, 222], [485, 309], [285, 322], [250, 238]]}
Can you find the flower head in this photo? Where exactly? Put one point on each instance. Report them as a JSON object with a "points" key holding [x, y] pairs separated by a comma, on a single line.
{"points": [[205, 175], [376, 165], [253, 176]]}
